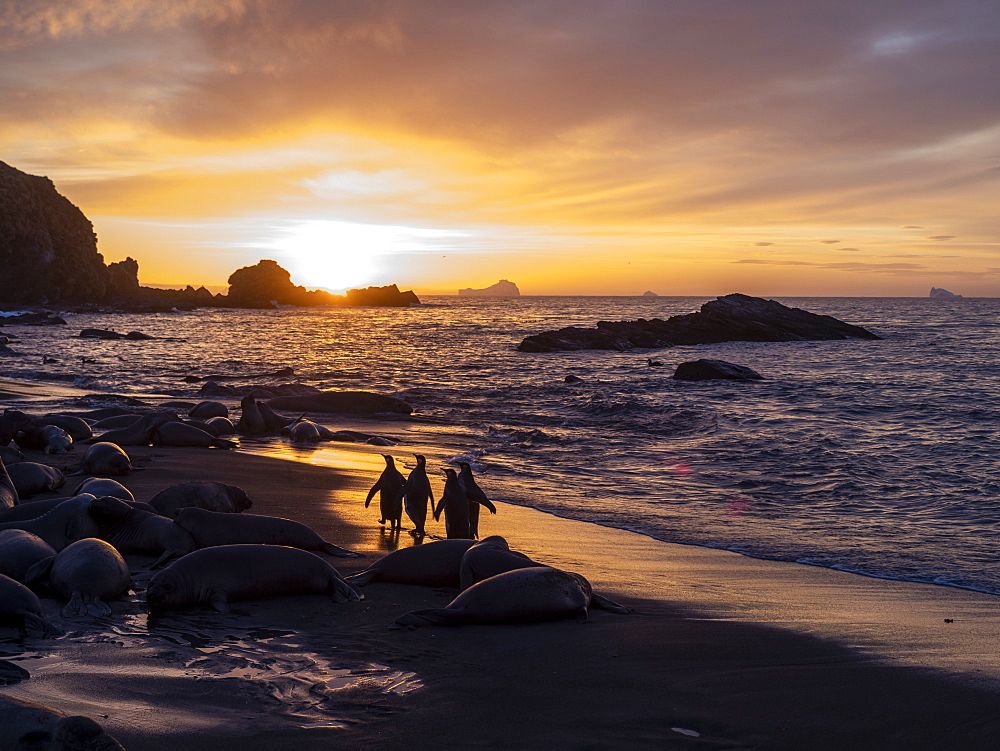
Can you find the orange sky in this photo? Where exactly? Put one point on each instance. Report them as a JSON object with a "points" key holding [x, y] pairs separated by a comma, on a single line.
{"points": [[573, 146]]}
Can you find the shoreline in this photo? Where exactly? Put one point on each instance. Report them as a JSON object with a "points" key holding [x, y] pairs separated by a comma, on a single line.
{"points": [[712, 649]]}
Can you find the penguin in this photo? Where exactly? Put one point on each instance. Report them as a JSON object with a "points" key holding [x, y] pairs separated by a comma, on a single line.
{"points": [[390, 500], [455, 504], [475, 496], [415, 494]]}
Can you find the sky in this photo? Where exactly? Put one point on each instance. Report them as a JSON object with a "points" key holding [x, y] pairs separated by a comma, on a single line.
{"points": [[686, 147]]}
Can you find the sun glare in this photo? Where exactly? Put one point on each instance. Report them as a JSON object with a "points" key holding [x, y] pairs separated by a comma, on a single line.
{"points": [[338, 256]]}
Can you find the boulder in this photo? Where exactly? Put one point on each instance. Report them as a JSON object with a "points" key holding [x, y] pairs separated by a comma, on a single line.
{"points": [[733, 318], [707, 370]]}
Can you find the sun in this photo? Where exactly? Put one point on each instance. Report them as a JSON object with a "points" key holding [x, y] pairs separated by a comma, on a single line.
{"points": [[338, 255]]}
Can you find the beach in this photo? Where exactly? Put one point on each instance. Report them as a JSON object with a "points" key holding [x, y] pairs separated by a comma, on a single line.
{"points": [[723, 651]]}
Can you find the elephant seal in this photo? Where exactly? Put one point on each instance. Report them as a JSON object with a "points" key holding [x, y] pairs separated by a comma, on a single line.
{"points": [[138, 433], [26, 725], [12, 421], [304, 431], [389, 485], [10, 455], [64, 524], [86, 573], [8, 493], [251, 421], [455, 504], [527, 595], [415, 495], [78, 428], [98, 486], [205, 410], [489, 557], [20, 606], [219, 574], [34, 509], [19, 551], [32, 478], [48, 438], [212, 496], [131, 531], [476, 498], [180, 434], [209, 528], [118, 421], [105, 458], [220, 426], [273, 422], [434, 564]]}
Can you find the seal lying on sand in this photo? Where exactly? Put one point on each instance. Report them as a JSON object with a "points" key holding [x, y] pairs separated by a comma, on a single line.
{"points": [[182, 434], [138, 433], [209, 528], [49, 438], [105, 458], [20, 606], [35, 509], [131, 531], [19, 551], [243, 572], [98, 486], [212, 496], [67, 522], [32, 478], [86, 573], [526, 595], [10, 455], [489, 557], [26, 725], [434, 564], [78, 429]]}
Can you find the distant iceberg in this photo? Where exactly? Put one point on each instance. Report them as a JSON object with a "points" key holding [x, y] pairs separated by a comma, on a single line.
{"points": [[943, 293], [649, 293], [503, 288]]}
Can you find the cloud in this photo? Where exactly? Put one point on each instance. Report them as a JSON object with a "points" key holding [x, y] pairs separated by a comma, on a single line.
{"points": [[848, 248], [941, 237], [829, 242], [911, 226], [763, 244]]}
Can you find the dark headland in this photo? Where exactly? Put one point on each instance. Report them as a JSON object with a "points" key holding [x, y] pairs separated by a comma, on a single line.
{"points": [[49, 256]]}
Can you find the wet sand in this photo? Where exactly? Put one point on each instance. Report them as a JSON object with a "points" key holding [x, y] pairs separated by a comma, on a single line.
{"points": [[723, 651]]}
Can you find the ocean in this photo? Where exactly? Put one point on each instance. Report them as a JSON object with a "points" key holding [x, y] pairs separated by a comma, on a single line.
{"points": [[878, 457]]}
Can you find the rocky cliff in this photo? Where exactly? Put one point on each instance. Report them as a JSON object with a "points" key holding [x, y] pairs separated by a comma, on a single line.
{"points": [[48, 249]]}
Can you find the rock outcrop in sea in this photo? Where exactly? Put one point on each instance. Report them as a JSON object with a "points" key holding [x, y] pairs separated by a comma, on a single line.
{"points": [[733, 318], [48, 256], [944, 294], [649, 293], [503, 288]]}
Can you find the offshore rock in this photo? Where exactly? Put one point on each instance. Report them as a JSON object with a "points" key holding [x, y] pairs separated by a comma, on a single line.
{"points": [[503, 288], [707, 370], [343, 402], [943, 294], [733, 318], [258, 391], [386, 297]]}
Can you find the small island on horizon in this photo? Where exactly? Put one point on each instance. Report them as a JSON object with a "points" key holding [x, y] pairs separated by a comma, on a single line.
{"points": [[503, 288]]}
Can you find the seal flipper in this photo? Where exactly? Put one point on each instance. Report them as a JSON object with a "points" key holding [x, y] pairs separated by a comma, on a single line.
{"points": [[219, 600], [38, 574], [343, 591], [582, 615], [362, 577], [603, 603], [80, 604], [330, 549], [36, 621]]}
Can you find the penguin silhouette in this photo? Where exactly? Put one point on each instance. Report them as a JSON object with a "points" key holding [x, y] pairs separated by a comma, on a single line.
{"points": [[388, 486]]}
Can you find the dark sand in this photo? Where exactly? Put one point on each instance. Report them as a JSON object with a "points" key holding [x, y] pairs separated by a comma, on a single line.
{"points": [[723, 652]]}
